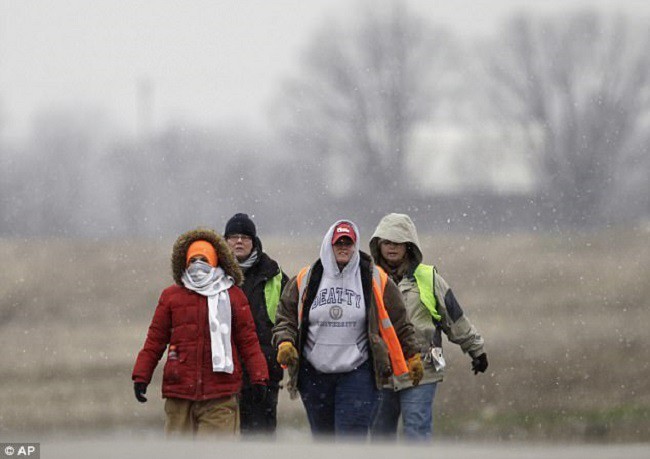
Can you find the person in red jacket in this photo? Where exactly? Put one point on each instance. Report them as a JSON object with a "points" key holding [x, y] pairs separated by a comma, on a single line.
{"points": [[205, 323]]}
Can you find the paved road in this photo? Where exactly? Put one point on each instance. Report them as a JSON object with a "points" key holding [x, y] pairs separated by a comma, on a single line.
{"points": [[161, 449]]}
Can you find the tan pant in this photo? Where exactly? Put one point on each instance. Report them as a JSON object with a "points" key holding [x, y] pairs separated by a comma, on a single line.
{"points": [[203, 419]]}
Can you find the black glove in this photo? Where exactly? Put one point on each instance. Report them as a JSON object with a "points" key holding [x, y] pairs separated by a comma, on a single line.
{"points": [[140, 389], [480, 363], [259, 393]]}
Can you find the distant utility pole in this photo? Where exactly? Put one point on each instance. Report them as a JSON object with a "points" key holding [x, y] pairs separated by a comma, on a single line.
{"points": [[144, 107]]}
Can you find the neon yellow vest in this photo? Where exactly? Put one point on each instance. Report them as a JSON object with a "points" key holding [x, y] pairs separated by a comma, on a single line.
{"points": [[272, 291], [424, 278]]}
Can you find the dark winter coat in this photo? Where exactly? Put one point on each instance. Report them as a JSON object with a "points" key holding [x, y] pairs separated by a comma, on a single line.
{"points": [[181, 319], [254, 281]]}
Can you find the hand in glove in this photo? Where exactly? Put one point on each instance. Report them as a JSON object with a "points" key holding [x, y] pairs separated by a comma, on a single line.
{"points": [[287, 354], [480, 363], [416, 370], [140, 389], [260, 392]]}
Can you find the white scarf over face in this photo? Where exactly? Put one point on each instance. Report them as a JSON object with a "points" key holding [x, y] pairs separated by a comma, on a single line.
{"points": [[213, 283]]}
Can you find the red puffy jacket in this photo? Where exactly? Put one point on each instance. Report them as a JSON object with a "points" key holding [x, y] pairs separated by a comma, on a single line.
{"points": [[181, 319]]}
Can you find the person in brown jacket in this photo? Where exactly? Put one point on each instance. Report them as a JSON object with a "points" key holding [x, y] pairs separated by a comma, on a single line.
{"points": [[341, 329], [207, 323]]}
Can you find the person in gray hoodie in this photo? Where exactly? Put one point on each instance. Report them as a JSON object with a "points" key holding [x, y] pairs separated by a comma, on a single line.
{"points": [[432, 308], [341, 331]]}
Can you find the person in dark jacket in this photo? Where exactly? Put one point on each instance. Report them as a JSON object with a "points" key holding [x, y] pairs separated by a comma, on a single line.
{"points": [[207, 323], [263, 284]]}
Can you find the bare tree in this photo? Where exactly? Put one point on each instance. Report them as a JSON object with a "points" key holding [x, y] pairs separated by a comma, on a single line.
{"points": [[55, 185], [578, 86], [362, 90], [184, 177]]}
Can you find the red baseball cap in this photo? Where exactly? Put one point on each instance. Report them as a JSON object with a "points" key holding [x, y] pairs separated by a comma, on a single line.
{"points": [[344, 229]]}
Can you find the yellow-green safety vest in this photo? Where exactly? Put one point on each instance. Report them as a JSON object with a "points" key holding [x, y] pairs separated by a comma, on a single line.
{"points": [[272, 291], [424, 278]]}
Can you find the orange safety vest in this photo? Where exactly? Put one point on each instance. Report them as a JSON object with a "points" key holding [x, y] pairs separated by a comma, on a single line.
{"points": [[386, 329]]}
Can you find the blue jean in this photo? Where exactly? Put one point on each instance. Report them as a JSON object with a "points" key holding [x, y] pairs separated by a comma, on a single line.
{"points": [[416, 407], [342, 404]]}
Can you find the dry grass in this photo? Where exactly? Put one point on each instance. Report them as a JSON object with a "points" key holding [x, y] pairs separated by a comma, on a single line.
{"points": [[564, 318]]}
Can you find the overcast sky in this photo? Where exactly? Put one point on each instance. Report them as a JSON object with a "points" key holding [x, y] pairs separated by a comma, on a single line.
{"points": [[210, 61]]}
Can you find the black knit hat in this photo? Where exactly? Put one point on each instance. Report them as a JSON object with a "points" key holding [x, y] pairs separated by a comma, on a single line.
{"points": [[242, 224]]}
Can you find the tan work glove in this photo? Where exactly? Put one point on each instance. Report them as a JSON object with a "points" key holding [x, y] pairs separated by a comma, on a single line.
{"points": [[416, 370], [287, 354]]}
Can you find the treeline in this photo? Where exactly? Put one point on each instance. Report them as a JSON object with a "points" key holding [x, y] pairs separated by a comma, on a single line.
{"points": [[356, 129]]}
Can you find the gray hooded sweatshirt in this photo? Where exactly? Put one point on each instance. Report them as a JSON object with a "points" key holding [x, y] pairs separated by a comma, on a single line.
{"points": [[400, 228], [337, 337]]}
